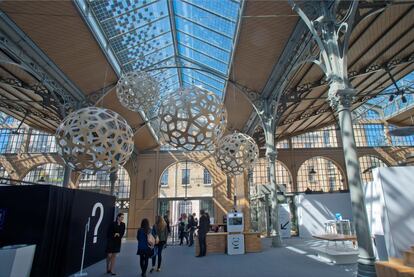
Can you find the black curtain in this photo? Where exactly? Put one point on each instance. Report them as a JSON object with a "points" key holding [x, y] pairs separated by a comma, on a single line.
{"points": [[54, 219]]}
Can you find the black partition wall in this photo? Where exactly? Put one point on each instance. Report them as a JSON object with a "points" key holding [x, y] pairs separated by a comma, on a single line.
{"points": [[54, 219]]}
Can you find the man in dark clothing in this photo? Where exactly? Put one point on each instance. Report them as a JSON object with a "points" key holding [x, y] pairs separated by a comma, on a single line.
{"points": [[167, 220], [203, 228]]}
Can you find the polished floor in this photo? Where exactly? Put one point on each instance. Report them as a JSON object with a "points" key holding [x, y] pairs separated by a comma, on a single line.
{"points": [[294, 260]]}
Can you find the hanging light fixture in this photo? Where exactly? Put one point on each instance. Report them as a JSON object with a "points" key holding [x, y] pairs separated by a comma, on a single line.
{"points": [[312, 171], [192, 118], [403, 99], [235, 153], [137, 91], [94, 139]]}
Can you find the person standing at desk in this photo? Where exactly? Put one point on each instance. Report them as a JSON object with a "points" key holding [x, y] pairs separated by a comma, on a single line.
{"points": [[203, 228], [115, 233]]}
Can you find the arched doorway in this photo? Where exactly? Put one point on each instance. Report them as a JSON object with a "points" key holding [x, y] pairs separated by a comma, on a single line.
{"points": [[185, 187], [49, 173], [367, 164], [320, 174]]}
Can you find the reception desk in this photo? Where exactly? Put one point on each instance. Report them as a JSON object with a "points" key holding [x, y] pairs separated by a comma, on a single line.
{"points": [[217, 243]]}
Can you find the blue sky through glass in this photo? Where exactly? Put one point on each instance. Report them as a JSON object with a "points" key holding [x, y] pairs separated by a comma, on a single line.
{"points": [[141, 35], [383, 102]]}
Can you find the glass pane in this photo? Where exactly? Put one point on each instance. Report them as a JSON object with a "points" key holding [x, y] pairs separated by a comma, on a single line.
{"points": [[188, 27], [227, 9], [197, 56], [205, 18], [203, 47]]}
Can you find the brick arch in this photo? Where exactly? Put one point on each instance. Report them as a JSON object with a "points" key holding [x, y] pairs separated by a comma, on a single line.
{"points": [[9, 168], [367, 176], [204, 163], [289, 172], [54, 170], [337, 165]]}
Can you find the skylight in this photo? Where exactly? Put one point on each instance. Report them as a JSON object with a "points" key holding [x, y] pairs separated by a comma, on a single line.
{"points": [[195, 37]]}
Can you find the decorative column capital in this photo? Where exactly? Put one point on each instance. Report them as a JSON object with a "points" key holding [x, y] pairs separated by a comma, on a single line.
{"points": [[341, 98], [272, 155]]}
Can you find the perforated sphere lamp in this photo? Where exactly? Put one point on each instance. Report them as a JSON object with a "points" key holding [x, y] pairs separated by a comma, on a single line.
{"points": [[94, 139], [235, 153], [192, 118], [137, 91]]}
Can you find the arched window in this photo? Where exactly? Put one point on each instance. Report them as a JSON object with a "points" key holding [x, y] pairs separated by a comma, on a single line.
{"points": [[101, 182], [367, 164], [3, 174], [47, 174], [186, 179], [260, 175], [319, 174]]}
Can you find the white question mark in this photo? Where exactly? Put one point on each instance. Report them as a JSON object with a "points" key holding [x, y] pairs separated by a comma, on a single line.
{"points": [[95, 207]]}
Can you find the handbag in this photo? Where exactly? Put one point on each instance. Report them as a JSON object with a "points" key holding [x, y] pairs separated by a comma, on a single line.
{"points": [[157, 240], [151, 241]]}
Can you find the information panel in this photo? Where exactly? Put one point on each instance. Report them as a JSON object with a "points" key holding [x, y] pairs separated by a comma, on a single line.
{"points": [[285, 223]]}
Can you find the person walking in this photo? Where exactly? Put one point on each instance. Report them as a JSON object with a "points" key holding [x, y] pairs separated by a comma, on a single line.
{"points": [[161, 231], [192, 225], [182, 225], [195, 219], [203, 228], [167, 221], [115, 233], [146, 242]]}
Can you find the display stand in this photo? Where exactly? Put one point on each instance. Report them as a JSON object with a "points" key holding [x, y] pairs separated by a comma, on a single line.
{"points": [[81, 273], [235, 237]]}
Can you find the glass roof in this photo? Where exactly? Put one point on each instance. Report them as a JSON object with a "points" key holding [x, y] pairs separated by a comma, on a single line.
{"points": [[196, 37], [388, 105]]}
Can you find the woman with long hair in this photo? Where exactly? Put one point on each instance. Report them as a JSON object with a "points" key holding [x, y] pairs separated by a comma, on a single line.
{"points": [[115, 233], [161, 231], [146, 243]]}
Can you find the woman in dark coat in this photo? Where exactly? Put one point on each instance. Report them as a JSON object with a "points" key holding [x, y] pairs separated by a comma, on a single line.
{"points": [[115, 233], [145, 246]]}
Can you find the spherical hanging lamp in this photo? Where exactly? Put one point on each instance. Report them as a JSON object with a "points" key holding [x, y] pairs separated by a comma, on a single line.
{"points": [[236, 152], [94, 139], [137, 91], [192, 118]]}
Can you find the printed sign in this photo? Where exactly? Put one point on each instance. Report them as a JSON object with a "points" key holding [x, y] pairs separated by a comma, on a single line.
{"points": [[284, 220]]}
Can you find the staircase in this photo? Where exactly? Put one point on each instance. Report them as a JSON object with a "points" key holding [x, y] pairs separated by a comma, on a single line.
{"points": [[396, 267]]}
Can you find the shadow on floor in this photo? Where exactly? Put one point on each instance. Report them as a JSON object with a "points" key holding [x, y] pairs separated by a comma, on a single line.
{"points": [[179, 261]]}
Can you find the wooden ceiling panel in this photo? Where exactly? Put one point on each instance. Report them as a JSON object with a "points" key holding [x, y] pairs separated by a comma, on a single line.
{"points": [[110, 101], [377, 36], [58, 29], [238, 108], [265, 29]]}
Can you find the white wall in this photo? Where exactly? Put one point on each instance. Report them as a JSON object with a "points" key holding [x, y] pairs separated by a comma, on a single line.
{"points": [[315, 209], [395, 204]]}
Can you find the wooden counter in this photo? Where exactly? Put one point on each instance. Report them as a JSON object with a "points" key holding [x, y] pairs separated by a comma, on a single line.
{"points": [[252, 242], [217, 243]]}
